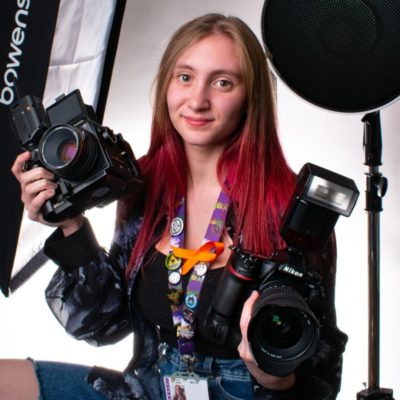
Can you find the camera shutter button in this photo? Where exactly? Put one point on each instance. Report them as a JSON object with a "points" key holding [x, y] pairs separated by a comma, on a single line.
{"points": [[108, 134]]}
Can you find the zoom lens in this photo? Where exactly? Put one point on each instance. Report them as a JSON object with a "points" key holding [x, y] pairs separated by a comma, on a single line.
{"points": [[68, 151], [283, 330]]}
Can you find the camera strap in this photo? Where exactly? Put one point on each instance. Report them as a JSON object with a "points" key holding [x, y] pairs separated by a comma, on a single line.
{"points": [[184, 305]]}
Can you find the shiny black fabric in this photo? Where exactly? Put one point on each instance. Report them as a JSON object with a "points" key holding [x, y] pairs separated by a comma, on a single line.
{"points": [[150, 294], [94, 303]]}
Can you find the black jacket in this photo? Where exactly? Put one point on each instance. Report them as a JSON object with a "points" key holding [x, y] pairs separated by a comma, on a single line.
{"points": [[89, 296]]}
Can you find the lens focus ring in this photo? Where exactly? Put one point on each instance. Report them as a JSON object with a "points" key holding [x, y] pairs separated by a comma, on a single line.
{"points": [[68, 151]]}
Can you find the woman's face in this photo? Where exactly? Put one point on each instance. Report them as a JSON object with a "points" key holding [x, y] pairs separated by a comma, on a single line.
{"points": [[206, 94]]}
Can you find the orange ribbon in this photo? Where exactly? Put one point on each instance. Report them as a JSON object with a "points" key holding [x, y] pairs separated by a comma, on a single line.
{"points": [[208, 252]]}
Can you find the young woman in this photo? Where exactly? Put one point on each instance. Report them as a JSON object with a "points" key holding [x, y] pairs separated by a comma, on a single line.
{"points": [[215, 175]]}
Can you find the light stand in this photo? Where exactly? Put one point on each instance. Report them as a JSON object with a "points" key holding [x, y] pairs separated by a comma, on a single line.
{"points": [[327, 53], [376, 186]]}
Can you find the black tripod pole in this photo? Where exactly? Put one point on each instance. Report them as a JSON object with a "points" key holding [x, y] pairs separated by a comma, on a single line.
{"points": [[376, 186]]}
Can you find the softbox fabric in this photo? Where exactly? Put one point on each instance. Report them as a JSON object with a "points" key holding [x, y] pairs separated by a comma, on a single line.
{"points": [[25, 46], [82, 55]]}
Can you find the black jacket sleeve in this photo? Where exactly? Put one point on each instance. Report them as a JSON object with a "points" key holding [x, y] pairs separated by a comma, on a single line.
{"points": [[87, 294]]}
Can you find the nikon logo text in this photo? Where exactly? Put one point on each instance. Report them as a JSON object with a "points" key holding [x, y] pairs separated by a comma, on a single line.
{"points": [[290, 270]]}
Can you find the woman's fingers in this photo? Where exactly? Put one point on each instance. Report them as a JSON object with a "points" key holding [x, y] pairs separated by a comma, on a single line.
{"points": [[18, 167], [37, 185], [244, 348]]}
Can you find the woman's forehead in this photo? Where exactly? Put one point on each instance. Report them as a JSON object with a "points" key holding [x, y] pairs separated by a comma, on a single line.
{"points": [[213, 52]]}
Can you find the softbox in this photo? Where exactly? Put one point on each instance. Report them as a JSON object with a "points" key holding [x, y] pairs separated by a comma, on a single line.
{"points": [[25, 47], [74, 49]]}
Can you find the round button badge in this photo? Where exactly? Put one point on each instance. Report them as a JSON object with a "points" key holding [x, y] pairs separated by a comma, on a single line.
{"points": [[176, 227], [200, 269], [172, 262], [188, 315], [191, 300], [174, 278]]}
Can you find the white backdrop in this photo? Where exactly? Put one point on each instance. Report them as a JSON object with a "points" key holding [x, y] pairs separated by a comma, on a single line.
{"points": [[308, 133]]}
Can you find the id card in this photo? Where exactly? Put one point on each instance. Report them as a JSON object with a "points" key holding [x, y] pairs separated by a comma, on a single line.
{"points": [[185, 387]]}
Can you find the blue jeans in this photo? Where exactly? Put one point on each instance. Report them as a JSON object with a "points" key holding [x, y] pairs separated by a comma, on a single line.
{"points": [[228, 379], [64, 381]]}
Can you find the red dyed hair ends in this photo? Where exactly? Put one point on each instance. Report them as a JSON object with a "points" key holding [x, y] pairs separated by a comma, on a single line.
{"points": [[252, 167]]}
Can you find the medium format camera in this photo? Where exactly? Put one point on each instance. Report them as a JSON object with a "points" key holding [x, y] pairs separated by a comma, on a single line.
{"points": [[92, 165], [285, 324]]}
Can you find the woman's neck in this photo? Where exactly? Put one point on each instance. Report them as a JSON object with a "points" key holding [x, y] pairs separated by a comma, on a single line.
{"points": [[202, 167], [202, 193]]}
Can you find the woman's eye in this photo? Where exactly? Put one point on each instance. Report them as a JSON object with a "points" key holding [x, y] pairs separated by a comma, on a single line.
{"points": [[223, 83], [184, 78]]}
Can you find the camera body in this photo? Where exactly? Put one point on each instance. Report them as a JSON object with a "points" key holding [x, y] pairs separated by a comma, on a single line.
{"points": [[92, 165], [286, 318], [284, 326]]}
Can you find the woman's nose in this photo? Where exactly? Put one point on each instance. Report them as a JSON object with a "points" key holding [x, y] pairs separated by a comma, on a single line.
{"points": [[199, 98]]}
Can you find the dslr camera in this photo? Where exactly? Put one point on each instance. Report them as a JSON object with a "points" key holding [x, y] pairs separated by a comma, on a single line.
{"points": [[285, 324], [92, 165]]}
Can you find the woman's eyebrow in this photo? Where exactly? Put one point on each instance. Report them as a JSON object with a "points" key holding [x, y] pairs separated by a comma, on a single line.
{"points": [[222, 71], [228, 72], [183, 66]]}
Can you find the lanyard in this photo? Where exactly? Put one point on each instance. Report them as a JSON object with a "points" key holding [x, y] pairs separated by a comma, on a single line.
{"points": [[183, 306]]}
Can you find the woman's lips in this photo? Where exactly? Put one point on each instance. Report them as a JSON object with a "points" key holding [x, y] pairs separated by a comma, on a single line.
{"points": [[197, 122]]}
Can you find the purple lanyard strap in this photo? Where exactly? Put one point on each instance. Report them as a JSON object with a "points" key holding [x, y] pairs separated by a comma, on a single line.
{"points": [[183, 306]]}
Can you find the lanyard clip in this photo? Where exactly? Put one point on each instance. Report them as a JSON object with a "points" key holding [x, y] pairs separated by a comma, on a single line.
{"points": [[163, 351], [189, 360]]}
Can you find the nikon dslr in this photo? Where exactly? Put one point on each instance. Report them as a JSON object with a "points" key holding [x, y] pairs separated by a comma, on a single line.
{"points": [[284, 326], [286, 318], [92, 165]]}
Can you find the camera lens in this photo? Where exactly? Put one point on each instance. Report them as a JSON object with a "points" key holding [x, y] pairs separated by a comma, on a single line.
{"points": [[283, 330], [69, 151]]}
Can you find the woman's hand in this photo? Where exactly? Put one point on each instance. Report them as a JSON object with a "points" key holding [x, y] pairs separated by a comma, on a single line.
{"points": [[38, 186], [263, 378]]}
